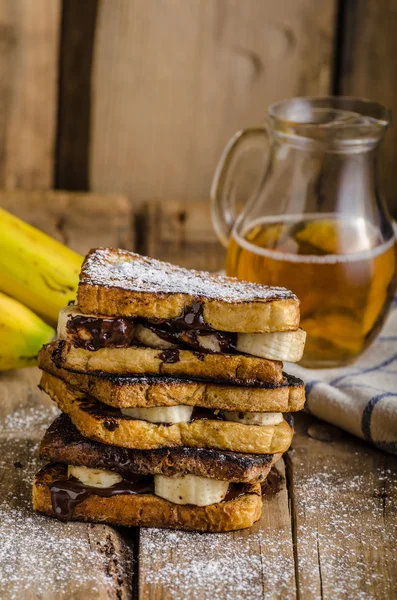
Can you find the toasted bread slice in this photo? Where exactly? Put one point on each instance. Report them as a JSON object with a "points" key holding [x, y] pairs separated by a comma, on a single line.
{"points": [[63, 443], [137, 360], [119, 283], [148, 510], [109, 426], [127, 392]]}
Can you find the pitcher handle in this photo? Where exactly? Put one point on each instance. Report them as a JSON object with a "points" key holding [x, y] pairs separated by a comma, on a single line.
{"points": [[223, 209]]}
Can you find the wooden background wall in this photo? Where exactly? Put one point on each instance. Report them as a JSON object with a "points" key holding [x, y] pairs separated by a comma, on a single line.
{"points": [[140, 96]]}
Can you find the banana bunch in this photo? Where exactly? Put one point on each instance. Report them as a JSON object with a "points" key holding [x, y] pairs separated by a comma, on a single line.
{"points": [[38, 276], [22, 334]]}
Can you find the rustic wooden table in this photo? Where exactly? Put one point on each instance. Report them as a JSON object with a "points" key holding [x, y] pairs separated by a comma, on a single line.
{"points": [[330, 533]]}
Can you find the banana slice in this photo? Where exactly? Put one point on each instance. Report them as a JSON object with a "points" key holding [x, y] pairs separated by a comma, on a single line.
{"points": [[253, 418], [147, 337], [209, 342], [100, 478], [190, 489], [280, 345], [65, 314], [160, 414]]}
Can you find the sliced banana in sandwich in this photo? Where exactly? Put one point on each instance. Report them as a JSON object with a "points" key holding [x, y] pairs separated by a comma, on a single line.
{"points": [[209, 342], [280, 345], [190, 489], [147, 337], [161, 414], [66, 313], [283, 345], [253, 418], [100, 478]]}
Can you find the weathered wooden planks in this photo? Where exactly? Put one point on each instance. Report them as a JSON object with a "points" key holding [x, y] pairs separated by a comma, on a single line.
{"points": [[367, 69], [256, 563], [172, 81], [40, 557], [29, 37], [79, 220], [344, 512], [181, 233], [74, 117]]}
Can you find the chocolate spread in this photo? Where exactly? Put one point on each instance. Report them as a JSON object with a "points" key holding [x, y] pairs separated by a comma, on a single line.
{"points": [[171, 355], [272, 484], [102, 332], [66, 494], [208, 414], [92, 333]]}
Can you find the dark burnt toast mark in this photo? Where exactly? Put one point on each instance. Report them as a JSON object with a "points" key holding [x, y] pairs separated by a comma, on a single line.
{"points": [[60, 349], [63, 443]]}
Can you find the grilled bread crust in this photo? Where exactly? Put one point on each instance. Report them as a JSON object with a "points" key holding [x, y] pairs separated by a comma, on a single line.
{"points": [[141, 391], [63, 443], [115, 282], [107, 425], [147, 510], [139, 360]]}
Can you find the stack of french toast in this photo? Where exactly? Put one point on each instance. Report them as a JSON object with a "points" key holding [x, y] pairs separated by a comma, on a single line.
{"points": [[175, 406]]}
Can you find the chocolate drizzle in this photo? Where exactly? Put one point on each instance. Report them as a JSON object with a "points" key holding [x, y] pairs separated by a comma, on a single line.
{"points": [[272, 484], [171, 355], [92, 333], [110, 424], [189, 327], [68, 493], [235, 491]]}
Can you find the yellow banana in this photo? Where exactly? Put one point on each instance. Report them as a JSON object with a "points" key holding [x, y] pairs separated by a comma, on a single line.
{"points": [[22, 334], [36, 269]]}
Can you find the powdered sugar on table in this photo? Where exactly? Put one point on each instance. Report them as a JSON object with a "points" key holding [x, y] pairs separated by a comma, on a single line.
{"points": [[41, 557]]}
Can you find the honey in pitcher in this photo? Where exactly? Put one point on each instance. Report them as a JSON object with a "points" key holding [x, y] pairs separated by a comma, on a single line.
{"points": [[343, 274]]}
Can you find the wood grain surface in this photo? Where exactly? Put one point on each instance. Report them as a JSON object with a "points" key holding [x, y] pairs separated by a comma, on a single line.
{"points": [[172, 82], [29, 37], [181, 233], [74, 116], [344, 514], [255, 563], [329, 534]]}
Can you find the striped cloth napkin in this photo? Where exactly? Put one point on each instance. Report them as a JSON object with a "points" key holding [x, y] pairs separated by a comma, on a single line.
{"points": [[360, 398]]}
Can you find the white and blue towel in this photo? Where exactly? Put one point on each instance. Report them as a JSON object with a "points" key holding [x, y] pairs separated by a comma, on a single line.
{"points": [[360, 398]]}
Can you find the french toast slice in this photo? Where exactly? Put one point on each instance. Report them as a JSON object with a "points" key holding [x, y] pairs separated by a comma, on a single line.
{"points": [[108, 425], [138, 360], [63, 443], [143, 391], [116, 282], [148, 510]]}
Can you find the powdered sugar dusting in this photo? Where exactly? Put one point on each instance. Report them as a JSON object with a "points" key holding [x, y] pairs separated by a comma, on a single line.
{"points": [[29, 420], [130, 271], [346, 531], [39, 556], [212, 566], [345, 549]]}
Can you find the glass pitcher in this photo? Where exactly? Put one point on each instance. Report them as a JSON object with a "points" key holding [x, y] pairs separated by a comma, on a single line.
{"points": [[317, 223]]}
